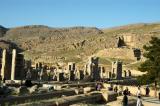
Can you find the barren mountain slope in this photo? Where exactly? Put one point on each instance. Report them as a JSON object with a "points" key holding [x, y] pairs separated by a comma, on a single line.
{"points": [[42, 43]]}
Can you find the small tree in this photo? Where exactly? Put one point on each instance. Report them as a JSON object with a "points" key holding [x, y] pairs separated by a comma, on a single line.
{"points": [[152, 63]]}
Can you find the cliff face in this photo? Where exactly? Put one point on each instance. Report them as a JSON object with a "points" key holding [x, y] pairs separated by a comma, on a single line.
{"points": [[42, 43]]}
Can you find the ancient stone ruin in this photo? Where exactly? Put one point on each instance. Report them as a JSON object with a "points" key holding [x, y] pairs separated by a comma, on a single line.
{"points": [[92, 68], [12, 65], [125, 40], [117, 70]]}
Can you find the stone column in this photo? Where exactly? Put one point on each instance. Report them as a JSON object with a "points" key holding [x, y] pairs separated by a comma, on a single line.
{"points": [[109, 74], [3, 63], [85, 70], [81, 74], [129, 73], [124, 74], [89, 66], [113, 68], [71, 66], [13, 64], [58, 75], [101, 72], [89, 69], [71, 76], [119, 70]]}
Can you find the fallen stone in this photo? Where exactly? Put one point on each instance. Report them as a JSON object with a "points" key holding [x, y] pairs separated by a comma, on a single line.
{"points": [[33, 89], [50, 87], [109, 95], [14, 91], [87, 89]]}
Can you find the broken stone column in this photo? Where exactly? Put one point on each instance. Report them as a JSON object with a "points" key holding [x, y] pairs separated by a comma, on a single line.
{"points": [[102, 71], [3, 63], [89, 67], [13, 64], [71, 69], [117, 69], [60, 77], [71, 76], [85, 69], [113, 70], [93, 68], [77, 75], [71, 66], [129, 73], [110, 74], [81, 74], [38, 65], [124, 74]]}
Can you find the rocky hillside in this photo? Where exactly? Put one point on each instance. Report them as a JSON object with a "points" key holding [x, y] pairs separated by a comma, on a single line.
{"points": [[51, 45]]}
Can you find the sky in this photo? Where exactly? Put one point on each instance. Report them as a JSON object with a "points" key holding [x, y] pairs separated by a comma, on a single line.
{"points": [[69, 13]]}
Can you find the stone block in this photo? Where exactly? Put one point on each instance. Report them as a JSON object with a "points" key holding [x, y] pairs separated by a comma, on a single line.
{"points": [[87, 89], [33, 89], [57, 87], [109, 96], [79, 91], [14, 90], [42, 90]]}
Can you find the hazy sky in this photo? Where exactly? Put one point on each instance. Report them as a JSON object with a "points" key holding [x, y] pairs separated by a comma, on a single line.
{"points": [[67, 13]]}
